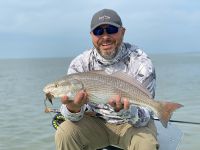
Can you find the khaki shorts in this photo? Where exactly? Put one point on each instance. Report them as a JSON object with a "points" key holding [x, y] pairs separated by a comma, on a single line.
{"points": [[91, 133]]}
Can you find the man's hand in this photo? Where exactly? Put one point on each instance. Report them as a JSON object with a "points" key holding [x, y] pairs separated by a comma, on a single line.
{"points": [[75, 105], [117, 104]]}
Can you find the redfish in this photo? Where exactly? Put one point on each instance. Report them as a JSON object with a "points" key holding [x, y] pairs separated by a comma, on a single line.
{"points": [[101, 86]]}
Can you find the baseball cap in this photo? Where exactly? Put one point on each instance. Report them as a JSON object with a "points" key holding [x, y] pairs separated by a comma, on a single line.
{"points": [[105, 16]]}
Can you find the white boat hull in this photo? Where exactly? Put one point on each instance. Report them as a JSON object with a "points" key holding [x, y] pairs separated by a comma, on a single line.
{"points": [[169, 138]]}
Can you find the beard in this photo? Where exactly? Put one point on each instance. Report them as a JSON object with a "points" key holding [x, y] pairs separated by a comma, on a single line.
{"points": [[108, 55], [111, 53]]}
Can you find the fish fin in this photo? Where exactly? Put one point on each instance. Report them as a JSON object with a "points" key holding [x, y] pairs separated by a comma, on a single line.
{"points": [[166, 110], [127, 78]]}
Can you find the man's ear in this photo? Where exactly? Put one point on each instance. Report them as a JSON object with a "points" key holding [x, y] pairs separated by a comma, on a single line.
{"points": [[123, 31], [91, 34]]}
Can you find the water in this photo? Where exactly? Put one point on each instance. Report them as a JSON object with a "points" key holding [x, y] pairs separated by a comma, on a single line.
{"points": [[24, 125]]}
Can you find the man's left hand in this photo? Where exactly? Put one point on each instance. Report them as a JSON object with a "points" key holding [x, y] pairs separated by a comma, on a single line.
{"points": [[117, 103]]}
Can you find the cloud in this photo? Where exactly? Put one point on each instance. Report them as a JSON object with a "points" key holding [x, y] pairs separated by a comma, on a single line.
{"points": [[49, 24], [50, 16]]}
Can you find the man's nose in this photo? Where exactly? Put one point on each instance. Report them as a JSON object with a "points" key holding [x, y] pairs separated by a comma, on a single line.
{"points": [[105, 34]]}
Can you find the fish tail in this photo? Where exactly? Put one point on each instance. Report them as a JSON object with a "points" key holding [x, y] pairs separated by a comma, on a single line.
{"points": [[166, 110]]}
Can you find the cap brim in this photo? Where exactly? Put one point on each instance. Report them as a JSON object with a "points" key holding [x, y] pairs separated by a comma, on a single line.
{"points": [[110, 23]]}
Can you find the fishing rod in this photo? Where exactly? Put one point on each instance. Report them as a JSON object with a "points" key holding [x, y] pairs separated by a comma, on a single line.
{"points": [[48, 110], [179, 121]]}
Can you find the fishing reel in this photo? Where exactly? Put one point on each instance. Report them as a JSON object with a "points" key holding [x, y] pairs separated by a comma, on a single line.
{"points": [[57, 120]]}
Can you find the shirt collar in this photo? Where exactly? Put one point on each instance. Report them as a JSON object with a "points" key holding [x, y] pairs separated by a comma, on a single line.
{"points": [[122, 53]]}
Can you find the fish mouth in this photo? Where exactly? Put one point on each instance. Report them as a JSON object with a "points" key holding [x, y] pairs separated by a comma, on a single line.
{"points": [[49, 97]]}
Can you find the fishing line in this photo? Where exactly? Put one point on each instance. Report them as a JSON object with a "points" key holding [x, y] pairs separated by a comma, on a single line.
{"points": [[47, 108], [50, 111], [180, 121]]}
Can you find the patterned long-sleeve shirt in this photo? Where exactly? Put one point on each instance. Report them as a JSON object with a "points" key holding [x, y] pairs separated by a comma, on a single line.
{"points": [[131, 60]]}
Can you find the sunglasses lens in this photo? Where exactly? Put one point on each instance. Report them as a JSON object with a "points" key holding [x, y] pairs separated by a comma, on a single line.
{"points": [[98, 31], [111, 29]]}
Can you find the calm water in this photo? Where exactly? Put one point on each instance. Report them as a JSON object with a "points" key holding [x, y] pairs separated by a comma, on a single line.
{"points": [[24, 125]]}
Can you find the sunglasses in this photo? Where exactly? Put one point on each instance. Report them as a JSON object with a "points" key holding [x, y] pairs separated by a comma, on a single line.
{"points": [[110, 29]]}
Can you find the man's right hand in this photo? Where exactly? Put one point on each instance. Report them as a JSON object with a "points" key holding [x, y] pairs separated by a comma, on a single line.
{"points": [[75, 105]]}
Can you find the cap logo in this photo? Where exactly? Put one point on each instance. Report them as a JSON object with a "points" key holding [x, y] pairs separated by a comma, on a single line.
{"points": [[104, 17]]}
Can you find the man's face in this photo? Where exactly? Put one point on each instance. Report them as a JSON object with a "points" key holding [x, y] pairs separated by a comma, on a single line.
{"points": [[108, 44]]}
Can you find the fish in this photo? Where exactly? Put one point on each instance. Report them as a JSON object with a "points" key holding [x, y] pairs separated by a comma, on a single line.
{"points": [[100, 86]]}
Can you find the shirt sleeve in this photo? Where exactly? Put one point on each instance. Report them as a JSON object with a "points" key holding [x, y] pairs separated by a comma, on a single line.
{"points": [[145, 74], [72, 116], [140, 116], [79, 63], [75, 66], [144, 71]]}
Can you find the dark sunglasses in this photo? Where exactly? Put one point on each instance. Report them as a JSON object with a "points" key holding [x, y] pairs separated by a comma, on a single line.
{"points": [[110, 29]]}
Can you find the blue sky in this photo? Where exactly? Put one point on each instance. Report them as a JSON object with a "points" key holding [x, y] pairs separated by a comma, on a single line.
{"points": [[60, 28]]}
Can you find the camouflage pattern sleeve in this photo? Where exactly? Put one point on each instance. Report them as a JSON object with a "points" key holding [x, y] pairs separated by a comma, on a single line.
{"points": [[72, 116], [143, 70], [75, 66], [80, 63], [145, 73]]}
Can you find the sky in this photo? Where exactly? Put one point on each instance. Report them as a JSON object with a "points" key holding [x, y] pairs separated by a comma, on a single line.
{"points": [[60, 28]]}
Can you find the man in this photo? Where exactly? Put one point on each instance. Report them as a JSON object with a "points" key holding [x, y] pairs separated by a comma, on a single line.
{"points": [[124, 125]]}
